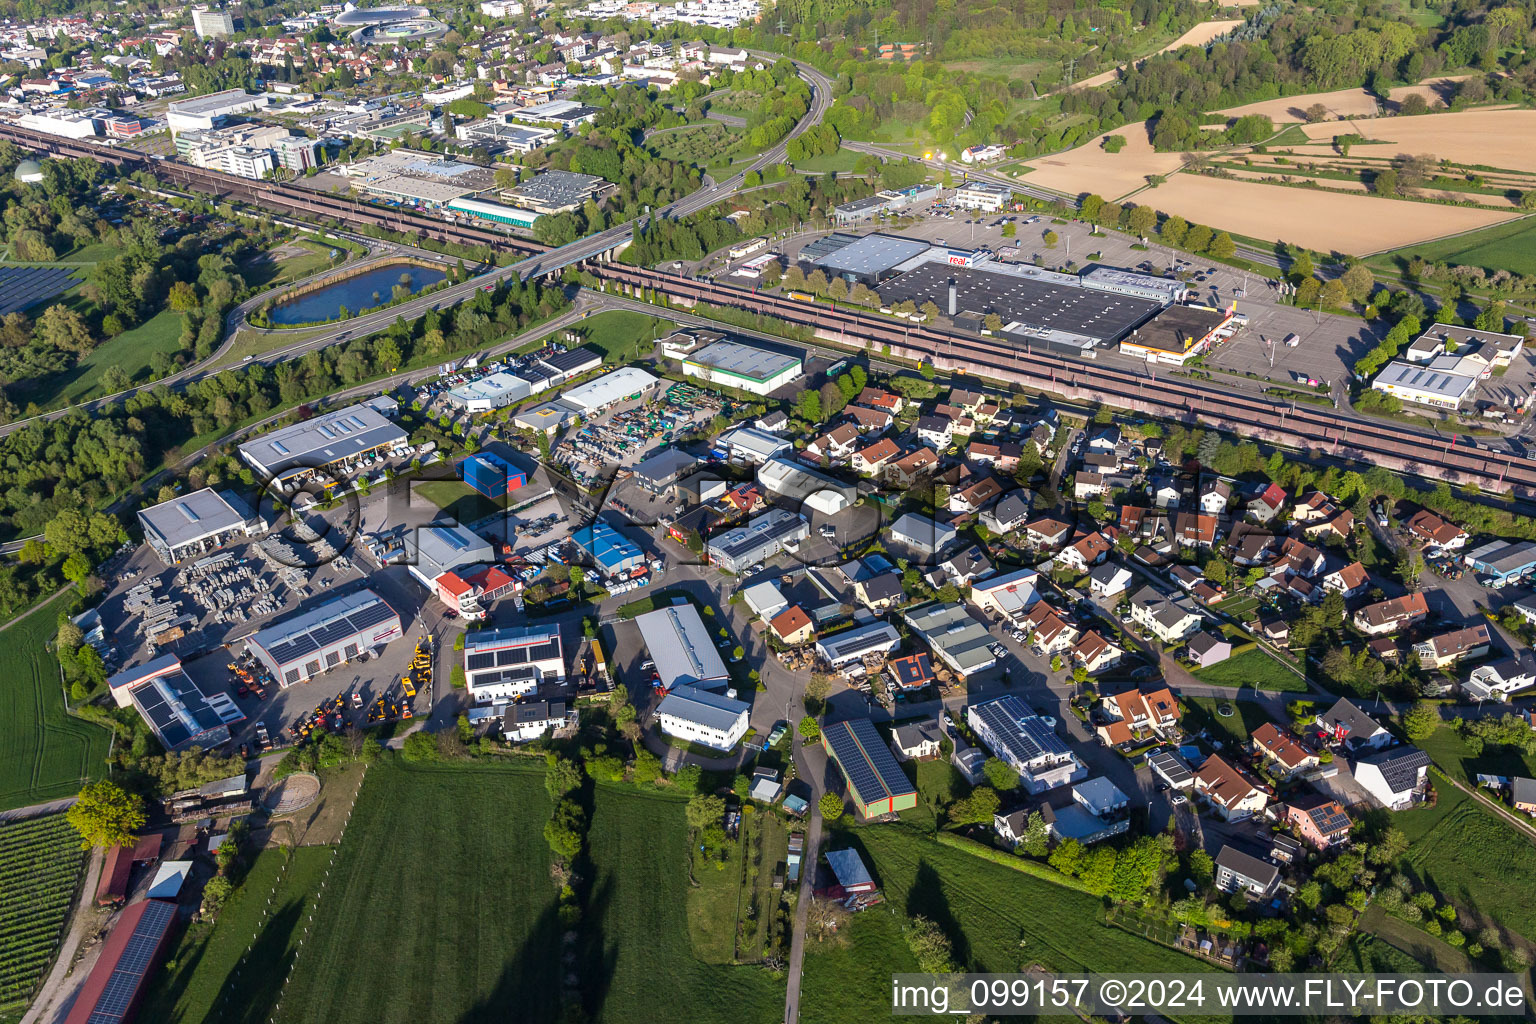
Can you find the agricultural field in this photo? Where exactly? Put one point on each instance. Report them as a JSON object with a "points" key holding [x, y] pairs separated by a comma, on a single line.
{"points": [[999, 920], [257, 932], [1252, 667], [48, 754], [1510, 246], [1489, 138], [40, 861], [1479, 863]]}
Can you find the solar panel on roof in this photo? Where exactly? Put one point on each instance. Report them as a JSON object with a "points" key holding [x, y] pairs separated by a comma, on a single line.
{"points": [[128, 973]]}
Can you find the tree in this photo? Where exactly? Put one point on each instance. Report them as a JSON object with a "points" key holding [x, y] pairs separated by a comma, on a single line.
{"points": [[105, 814], [809, 730], [1413, 104], [1358, 282], [977, 809], [1222, 247], [419, 748], [1000, 774], [1141, 220], [704, 810], [831, 806], [930, 946], [1421, 720], [1198, 238], [1050, 238], [1174, 229], [1385, 182], [1391, 845]]}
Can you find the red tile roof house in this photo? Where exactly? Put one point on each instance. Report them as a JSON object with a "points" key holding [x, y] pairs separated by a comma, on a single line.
{"points": [[1284, 748], [1390, 616], [1319, 820], [1436, 532], [874, 398], [905, 471], [792, 626], [873, 459], [1141, 715], [1232, 794], [869, 419]]}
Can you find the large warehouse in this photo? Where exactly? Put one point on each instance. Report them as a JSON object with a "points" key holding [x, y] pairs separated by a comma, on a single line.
{"points": [[501, 665], [682, 649], [609, 389], [495, 212], [875, 779], [301, 647], [738, 549], [492, 476], [699, 716], [731, 364], [197, 523], [328, 440], [1176, 335], [868, 260], [178, 711], [490, 392]]}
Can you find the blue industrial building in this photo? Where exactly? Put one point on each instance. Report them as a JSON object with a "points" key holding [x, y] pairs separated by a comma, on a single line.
{"points": [[610, 550], [1505, 561], [491, 476]]}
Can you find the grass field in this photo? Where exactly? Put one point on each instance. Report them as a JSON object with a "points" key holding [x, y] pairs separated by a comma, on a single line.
{"points": [[1457, 761], [1510, 246], [997, 919], [132, 350], [40, 863], [617, 332], [1253, 667], [1200, 713], [257, 931], [457, 498], [48, 754], [1481, 864], [274, 274]]}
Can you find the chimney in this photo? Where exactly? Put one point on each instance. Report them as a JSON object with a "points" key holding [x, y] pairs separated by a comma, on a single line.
{"points": [[951, 297]]}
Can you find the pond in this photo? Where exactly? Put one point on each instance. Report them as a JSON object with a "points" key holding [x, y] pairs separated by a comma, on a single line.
{"points": [[370, 288]]}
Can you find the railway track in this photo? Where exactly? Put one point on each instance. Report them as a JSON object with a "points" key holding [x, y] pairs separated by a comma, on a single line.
{"points": [[1327, 432]]}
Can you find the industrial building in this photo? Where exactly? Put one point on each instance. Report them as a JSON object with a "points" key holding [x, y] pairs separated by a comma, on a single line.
{"points": [[867, 260], [922, 534], [739, 549], [490, 392], [197, 523], [1503, 560], [1491, 348], [212, 24], [204, 113], [492, 476], [1176, 335], [661, 472], [501, 665], [887, 202], [1166, 290], [433, 553], [571, 364], [700, 716], [609, 549], [396, 25], [955, 638], [1436, 383], [558, 191], [983, 196], [751, 445], [513, 138], [874, 776], [329, 440], [759, 371], [565, 113], [627, 382], [854, 645], [1026, 742], [173, 706], [495, 212], [332, 634], [682, 648], [790, 481]]}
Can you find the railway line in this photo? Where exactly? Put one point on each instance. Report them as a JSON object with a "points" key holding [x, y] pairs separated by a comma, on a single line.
{"points": [[1329, 432]]}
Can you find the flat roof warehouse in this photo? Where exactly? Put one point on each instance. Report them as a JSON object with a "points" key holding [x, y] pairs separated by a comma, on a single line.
{"points": [[746, 361]]}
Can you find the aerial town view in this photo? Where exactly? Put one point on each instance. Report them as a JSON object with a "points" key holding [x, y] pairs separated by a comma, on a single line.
{"points": [[752, 511]]}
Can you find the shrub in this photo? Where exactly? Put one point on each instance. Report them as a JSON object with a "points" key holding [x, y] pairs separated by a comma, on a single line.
{"points": [[419, 748]]}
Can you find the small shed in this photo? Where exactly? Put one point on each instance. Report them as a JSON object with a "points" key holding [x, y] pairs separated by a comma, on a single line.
{"points": [[849, 870], [169, 879]]}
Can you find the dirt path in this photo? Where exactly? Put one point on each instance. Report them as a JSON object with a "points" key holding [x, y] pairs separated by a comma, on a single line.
{"points": [[59, 987], [802, 914]]}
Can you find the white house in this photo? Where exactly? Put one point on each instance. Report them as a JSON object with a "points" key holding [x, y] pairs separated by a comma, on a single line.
{"points": [[699, 716], [1394, 778], [1109, 580], [531, 719], [1168, 618], [1498, 680]]}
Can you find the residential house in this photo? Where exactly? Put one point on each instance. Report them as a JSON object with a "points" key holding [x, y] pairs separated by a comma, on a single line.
{"points": [[1135, 715], [1448, 649], [879, 593], [874, 398], [961, 568], [870, 461], [528, 720], [1085, 552], [1206, 649], [1237, 871], [1095, 654], [1215, 494], [912, 672], [1319, 820], [916, 741], [1166, 617], [1392, 615], [1283, 748], [922, 534], [1300, 558], [1008, 596], [836, 444], [908, 469], [1049, 632], [867, 420], [1002, 456], [1166, 494], [1232, 794], [1194, 529], [967, 401], [1499, 679], [1522, 794], [1047, 532], [1346, 724], [1315, 506], [1338, 525], [1251, 548], [1026, 742], [1109, 580], [1267, 504], [1435, 533], [1396, 778], [793, 626], [972, 497], [1103, 463], [938, 432], [1042, 436], [1351, 581], [1087, 485], [1104, 439], [1008, 515]]}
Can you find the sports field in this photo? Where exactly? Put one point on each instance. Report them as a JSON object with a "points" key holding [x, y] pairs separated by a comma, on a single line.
{"points": [[453, 918], [998, 920], [47, 753], [256, 934], [1481, 864]]}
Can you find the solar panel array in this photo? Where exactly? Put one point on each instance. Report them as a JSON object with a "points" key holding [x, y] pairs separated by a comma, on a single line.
{"points": [[137, 958], [327, 634], [1024, 734], [1330, 818], [24, 287], [161, 716], [870, 766]]}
